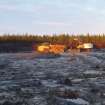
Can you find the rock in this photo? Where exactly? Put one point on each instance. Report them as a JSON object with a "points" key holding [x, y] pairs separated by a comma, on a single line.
{"points": [[38, 100], [71, 94], [7, 103], [66, 93], [30, 83], [97, 66], [76, 81], [78, 101], [67, 81], [95, 90], [92, 73]]}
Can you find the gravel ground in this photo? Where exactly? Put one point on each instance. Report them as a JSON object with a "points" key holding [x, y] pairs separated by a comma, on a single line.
{"points": [[64, 80]]}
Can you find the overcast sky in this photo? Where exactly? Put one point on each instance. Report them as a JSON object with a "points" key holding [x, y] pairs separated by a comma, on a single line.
{"points": [[52, 16]]}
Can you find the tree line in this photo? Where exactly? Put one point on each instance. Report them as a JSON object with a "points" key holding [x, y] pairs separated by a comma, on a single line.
{"points": [[67, 39]]}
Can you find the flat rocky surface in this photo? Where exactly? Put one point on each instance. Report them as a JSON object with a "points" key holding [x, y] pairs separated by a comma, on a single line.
{"points": [[66, 80]]}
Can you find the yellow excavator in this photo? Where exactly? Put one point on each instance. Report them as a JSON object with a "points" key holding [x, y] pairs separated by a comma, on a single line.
{"points": [[51, 48]]}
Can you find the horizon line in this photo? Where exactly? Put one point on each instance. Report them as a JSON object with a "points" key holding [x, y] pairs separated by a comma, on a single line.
{"points": [[51, 34]]}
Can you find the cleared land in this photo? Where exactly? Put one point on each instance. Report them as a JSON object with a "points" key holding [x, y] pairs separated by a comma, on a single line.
{"points": [[79, 79]]}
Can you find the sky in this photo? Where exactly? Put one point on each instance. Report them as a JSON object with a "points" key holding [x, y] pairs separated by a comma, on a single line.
{"points": [[52, 16]]}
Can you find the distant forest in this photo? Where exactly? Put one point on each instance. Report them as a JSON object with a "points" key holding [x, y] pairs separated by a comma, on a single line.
{"points": [[26, 42]]}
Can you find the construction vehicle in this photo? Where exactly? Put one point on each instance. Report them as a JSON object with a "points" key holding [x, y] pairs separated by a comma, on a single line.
{"points": [[79, 46], [51, 48]]}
